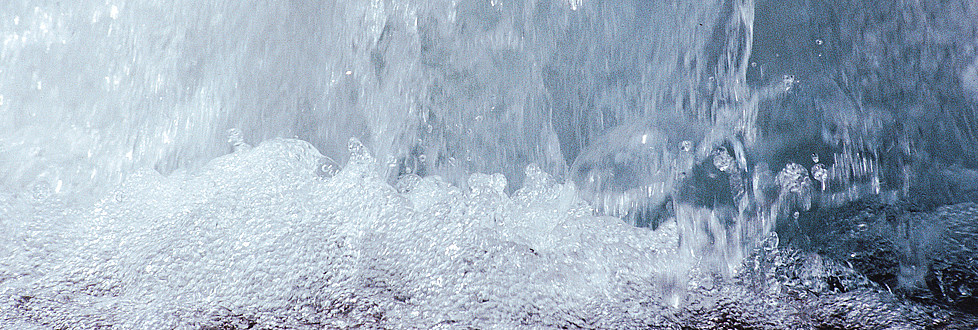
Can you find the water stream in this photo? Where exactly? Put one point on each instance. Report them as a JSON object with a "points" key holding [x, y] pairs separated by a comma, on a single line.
{"points": [[488, 163]]}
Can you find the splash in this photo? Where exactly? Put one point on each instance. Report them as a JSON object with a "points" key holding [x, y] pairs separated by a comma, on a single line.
{"points": [[549, 163]]}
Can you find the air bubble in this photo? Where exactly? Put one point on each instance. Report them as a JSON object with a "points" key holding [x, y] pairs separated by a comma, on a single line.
{"points": [[723, 161], [236, 139], [536, 177], [771, 243], [479, 182], [328, 167], [358, 152], [407, 183], [533, 170], [788, 81], [821, 175], [793, 178]]}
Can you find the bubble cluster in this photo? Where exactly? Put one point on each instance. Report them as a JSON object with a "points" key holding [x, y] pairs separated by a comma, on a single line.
{"points": [[260, 238]]}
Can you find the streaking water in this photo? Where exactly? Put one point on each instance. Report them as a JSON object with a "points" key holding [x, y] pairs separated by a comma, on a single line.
{"points": [[257, 237], [775, 159]]}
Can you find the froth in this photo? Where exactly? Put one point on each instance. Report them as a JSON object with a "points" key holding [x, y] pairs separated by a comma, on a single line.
{"points": [[258, 235]]}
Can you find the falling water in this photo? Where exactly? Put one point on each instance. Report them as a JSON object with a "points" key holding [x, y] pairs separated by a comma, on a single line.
{"points": [[549, 163]]}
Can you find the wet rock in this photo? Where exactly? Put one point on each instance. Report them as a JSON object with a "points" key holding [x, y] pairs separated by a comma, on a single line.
{"points": [[924, 256]]}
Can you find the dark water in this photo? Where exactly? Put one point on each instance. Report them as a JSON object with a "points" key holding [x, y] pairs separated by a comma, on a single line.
{"points": [[308, 164]]}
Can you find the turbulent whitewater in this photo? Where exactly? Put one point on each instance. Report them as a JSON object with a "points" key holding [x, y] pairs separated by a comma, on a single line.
{"points": [[263, 238], [488, 164]]}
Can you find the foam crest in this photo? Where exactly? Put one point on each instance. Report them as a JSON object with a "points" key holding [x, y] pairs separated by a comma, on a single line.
{"points": [[258, 238], [258, 234]]}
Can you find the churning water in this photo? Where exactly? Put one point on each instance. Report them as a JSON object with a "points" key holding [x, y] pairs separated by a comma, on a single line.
{"points": [[488, 164]]}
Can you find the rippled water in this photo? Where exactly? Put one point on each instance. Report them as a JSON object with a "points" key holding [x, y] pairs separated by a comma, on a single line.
{"points": [[309, 164]]}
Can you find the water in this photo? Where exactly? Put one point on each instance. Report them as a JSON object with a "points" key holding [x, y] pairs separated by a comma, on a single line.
{"points": [[551, 163]]}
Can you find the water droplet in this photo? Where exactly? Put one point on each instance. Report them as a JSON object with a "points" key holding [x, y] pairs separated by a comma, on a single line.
{"points": [[793, 178], [499, 182], [407, 182], [536, 177], [357, 150], [771, 243], [328, 167], [818, 42], [796, 215], [236, 139], [815, 158], [821, 174], [788, 81], [360, 159], [532, 170], [723, 161]]}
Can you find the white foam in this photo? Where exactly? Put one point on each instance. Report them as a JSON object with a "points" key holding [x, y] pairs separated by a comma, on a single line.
{"points": [[258, 234]]}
